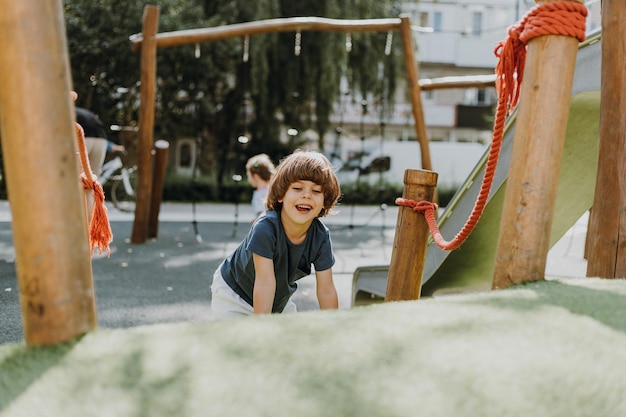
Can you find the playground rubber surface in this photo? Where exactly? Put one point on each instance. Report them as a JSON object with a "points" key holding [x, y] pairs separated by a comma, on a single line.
{"points": [[168, 279]]}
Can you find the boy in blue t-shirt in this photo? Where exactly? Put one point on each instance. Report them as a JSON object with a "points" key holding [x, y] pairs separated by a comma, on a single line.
{"points": [[260, 275]]}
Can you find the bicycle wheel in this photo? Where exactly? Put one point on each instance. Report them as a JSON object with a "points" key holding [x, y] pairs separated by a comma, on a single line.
{"points": [[123, 190]]}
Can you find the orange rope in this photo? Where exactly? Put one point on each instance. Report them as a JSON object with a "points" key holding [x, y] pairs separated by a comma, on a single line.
{"points": [[100, 235], [565, 18]]}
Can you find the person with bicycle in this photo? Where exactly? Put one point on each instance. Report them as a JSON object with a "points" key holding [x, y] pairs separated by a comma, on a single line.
{"points": [[113, 147], [96, 139]]}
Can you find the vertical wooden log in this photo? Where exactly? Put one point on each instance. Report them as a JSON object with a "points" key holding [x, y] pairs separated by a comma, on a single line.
{"points": [[606, 236], [411, 239], [408, 49], [161, 151], [53, 261], [146, 123], [538, 143]]}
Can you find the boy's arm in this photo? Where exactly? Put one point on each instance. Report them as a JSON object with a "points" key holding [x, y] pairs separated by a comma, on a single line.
{"points": [[264, 285], [326, 291]]}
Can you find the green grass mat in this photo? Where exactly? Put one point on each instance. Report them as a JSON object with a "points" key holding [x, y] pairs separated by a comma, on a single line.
{"points": [[551, 348]]}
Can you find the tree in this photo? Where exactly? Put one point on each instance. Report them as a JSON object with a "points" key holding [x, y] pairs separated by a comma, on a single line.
{"points": [[208, 90]]}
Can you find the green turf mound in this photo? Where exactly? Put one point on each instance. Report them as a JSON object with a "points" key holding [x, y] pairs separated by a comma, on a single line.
{"points": [[553, 348]]}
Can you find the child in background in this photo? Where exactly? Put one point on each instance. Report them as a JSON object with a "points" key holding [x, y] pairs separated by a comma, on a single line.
{"points": [[259, 170], [260, 275]]}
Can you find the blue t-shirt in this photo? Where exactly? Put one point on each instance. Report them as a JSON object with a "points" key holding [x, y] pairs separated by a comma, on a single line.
{"points": [[267, 238]]}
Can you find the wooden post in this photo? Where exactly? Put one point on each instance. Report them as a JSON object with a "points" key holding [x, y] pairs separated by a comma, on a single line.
{"points": [[413, 84], [53, 261], [146, 124], [161, 151], [538, 143], [606, 243], [411, 239]]}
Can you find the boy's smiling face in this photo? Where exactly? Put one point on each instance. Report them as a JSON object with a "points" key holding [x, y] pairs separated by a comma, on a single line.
{"points": [[303, 202]]}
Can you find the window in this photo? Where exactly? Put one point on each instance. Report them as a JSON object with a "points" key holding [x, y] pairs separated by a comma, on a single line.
{"points": [[481, 96], [477, 23], [476, 96], [185, 156], [423, 19], [437, 22]]}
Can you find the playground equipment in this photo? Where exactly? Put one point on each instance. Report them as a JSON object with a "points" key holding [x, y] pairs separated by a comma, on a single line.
{"points": [[528, 229], [149, 41], [469, 268], [52, 250]]}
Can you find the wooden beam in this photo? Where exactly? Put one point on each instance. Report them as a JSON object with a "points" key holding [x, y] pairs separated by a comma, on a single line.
{"points": [[530, 196], [290, 24], [606, 242], [146, 125], [53, 261], [468, 81]]}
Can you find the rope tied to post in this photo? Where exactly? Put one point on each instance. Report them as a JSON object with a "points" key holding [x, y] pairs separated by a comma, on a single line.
{"points": [[100, 235], [566, 18]]}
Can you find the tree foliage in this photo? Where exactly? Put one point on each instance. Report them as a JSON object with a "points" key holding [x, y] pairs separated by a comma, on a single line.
{"points": [[208, 90]]}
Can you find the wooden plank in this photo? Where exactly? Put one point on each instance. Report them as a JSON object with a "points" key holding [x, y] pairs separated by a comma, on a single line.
{"points": [[606, 242], [49, 225]]}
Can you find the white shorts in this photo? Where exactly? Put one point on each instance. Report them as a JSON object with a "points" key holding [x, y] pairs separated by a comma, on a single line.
{"points": [[225, 302]]}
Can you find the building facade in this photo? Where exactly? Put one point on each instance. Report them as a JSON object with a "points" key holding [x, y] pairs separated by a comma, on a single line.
{"points": [[453, 38]]}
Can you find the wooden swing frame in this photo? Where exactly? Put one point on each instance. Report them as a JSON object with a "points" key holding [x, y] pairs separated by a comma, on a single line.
{"points": [[149, 41]]}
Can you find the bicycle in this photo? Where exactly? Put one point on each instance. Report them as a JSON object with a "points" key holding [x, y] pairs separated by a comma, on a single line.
{"points": [[123, 183]]}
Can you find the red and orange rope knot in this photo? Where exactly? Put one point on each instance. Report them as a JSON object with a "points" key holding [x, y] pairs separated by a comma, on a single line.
{"points": [[100, 235], [565, 18], [428, 209]]}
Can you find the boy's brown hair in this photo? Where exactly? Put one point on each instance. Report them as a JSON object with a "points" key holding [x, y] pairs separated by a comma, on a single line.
{"points": [[304, 166]]}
